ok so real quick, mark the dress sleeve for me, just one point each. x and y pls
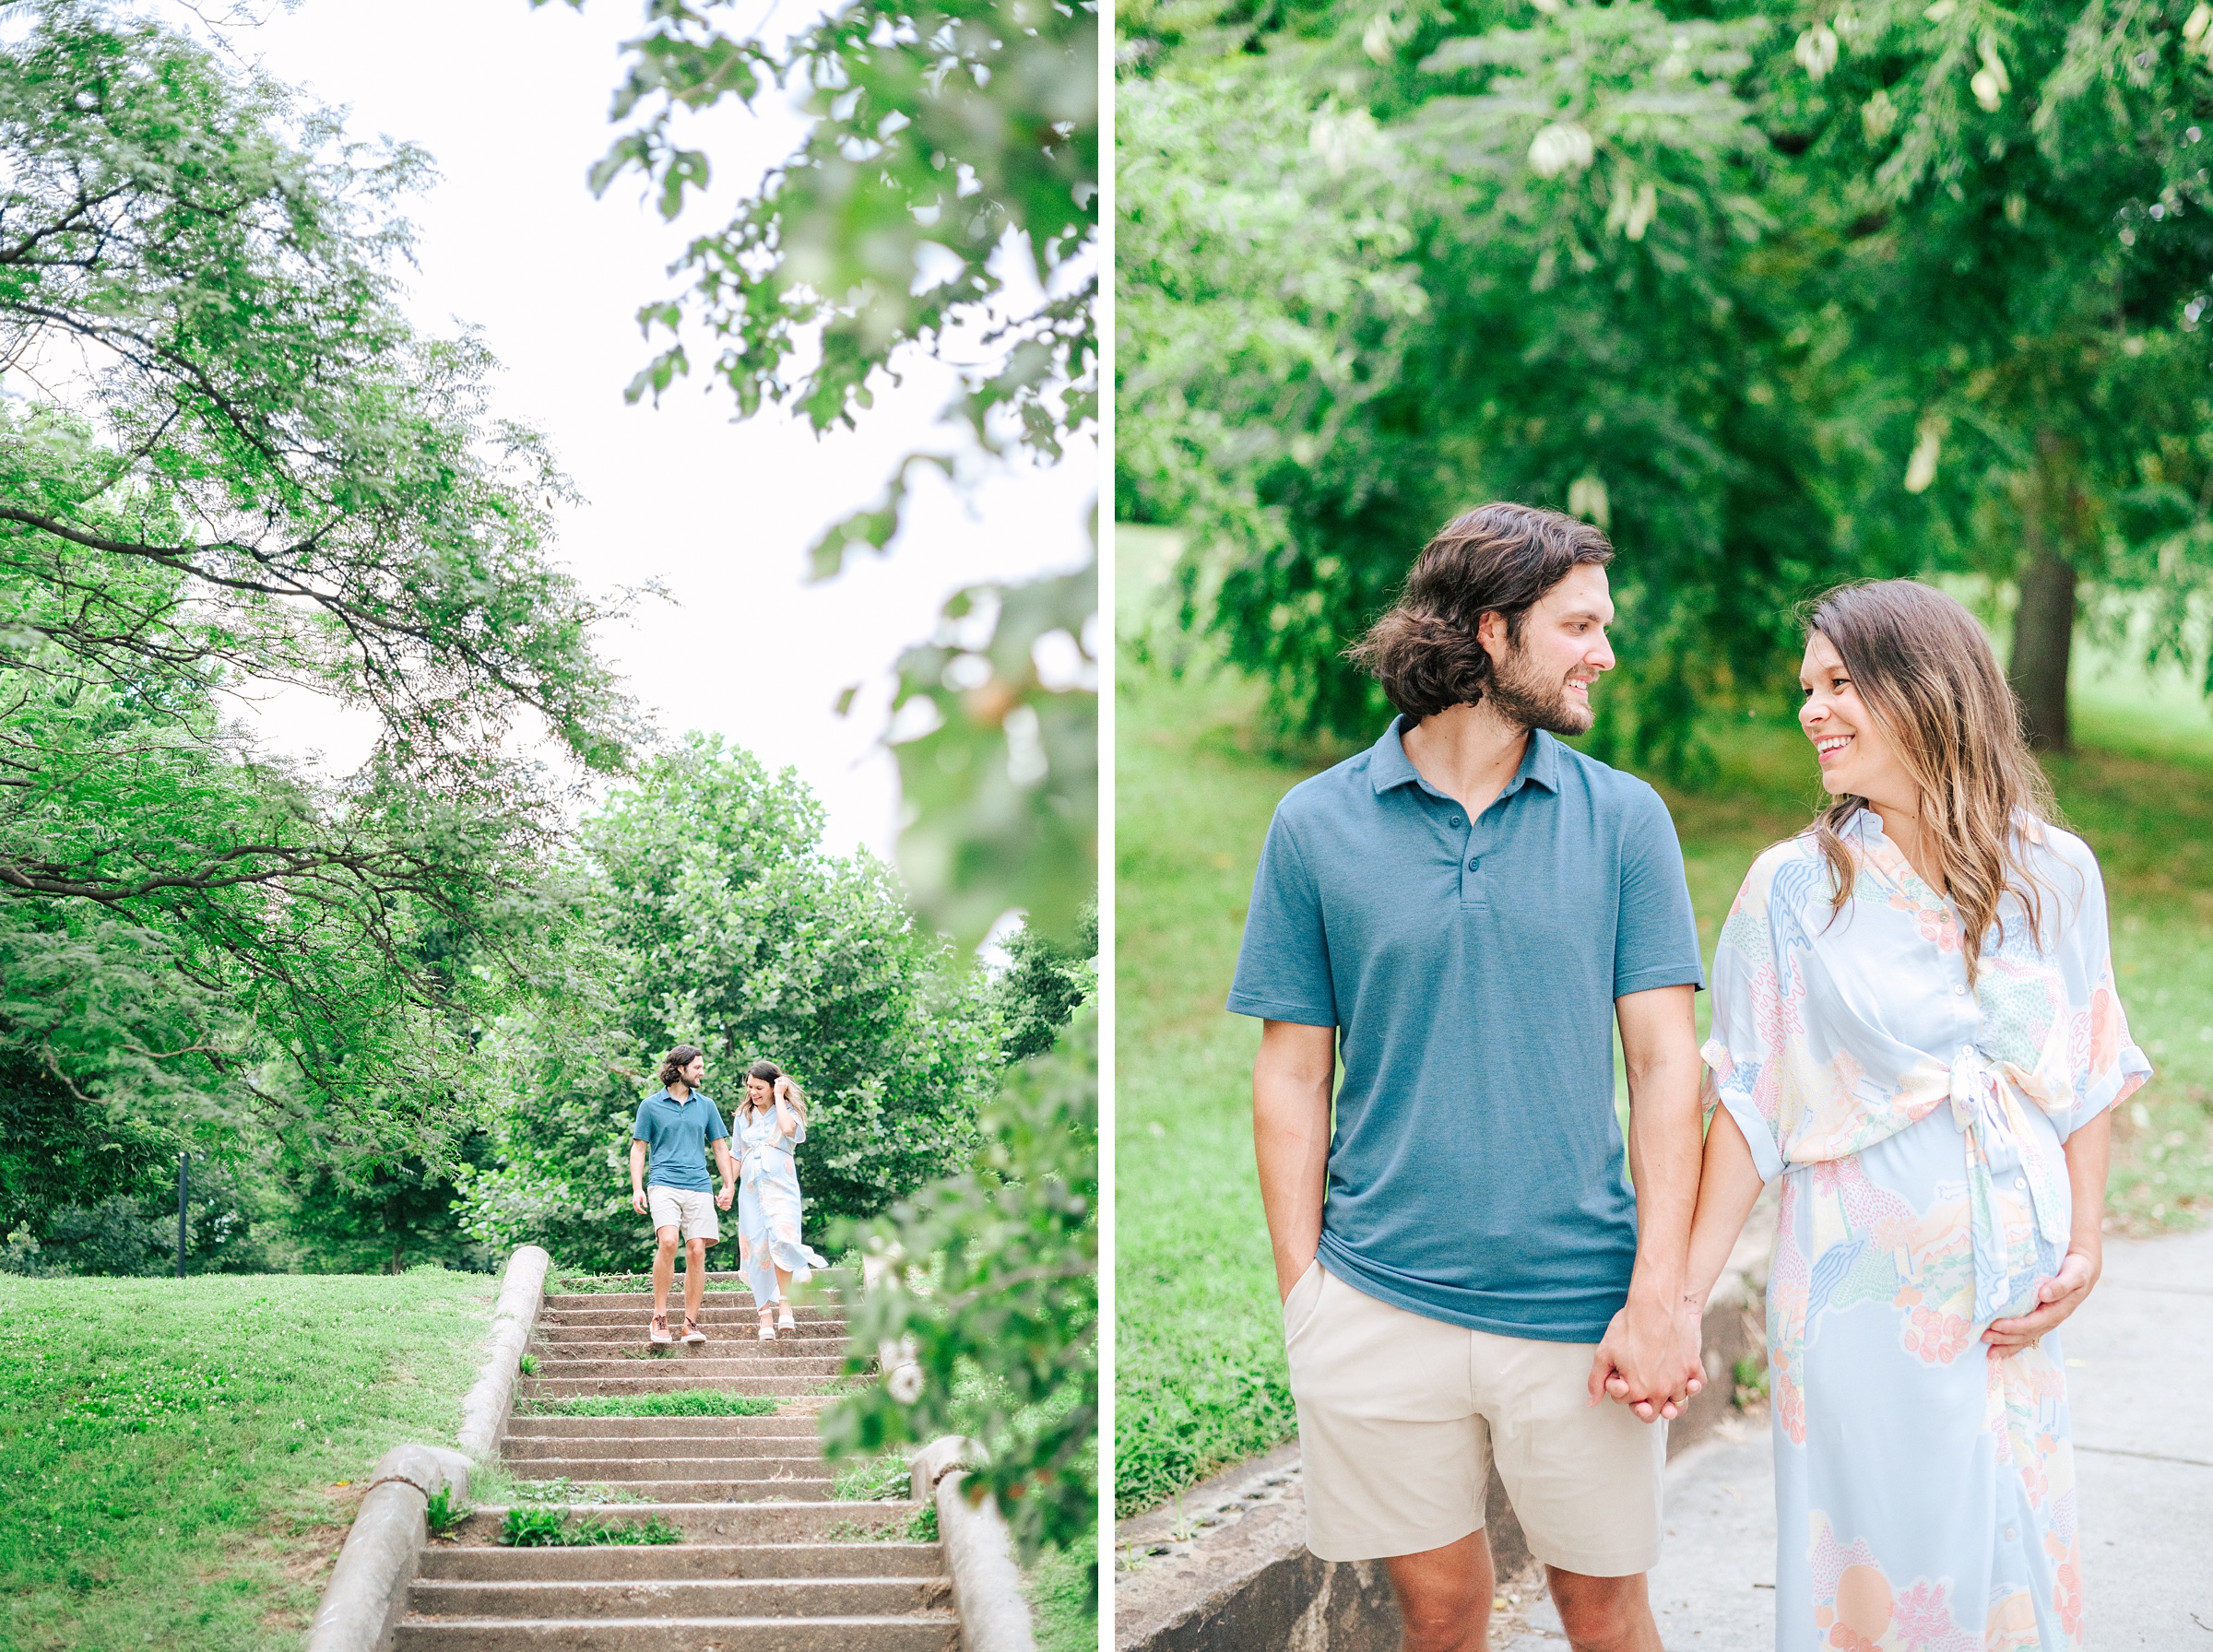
(1744, 1046)
(2105, 1068)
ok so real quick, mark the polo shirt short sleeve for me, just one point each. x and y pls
(676, 1134)
(1470, 967)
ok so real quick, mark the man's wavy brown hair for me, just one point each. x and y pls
(675, 1060)
(1927, 673)
(1497, 559)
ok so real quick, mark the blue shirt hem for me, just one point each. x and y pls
(1385, 1287)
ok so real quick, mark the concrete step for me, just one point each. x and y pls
(614, 1563)
(627, 1333)
(822, 1306)
(795, 1427)
(716, 1307)
(681, 1598)
(669, 1381)
(818, 1520)
(934, 1632)
(730, 1489)
(682, 1465)
(702, 1367)
(717, 1347)
(667, 1448)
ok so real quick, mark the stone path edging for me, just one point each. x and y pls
(987, 1600)
(368, 1589)
(485, 1411)
(367, 1594)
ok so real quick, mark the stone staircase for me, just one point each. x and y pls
(769, 1563)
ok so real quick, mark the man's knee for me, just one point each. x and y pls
(695, 1251)
(666, 1239)
(1600, 1612)
(1445, 1597)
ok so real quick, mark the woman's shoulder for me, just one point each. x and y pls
(1780, 865)
(2044, 840)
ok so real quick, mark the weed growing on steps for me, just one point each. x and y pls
(873, 1480)
(528, 1364)
(922, 1527)
(500, 1487)
(552, 1528)
(444, 1511)
(678, 1403)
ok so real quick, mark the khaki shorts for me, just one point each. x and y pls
(1399, 1418)
(684, 1207)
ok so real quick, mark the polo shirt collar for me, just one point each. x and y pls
(1389, 765)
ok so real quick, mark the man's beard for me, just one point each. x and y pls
(1520, 695)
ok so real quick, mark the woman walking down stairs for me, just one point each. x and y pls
(768, 1562)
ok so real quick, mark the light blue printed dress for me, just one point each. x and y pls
(1924, 1487)
(768, 1204)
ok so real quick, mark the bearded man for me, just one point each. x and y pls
(1465, 911)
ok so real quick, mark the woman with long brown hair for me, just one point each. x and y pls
(772, 1122)
(1915, 1027)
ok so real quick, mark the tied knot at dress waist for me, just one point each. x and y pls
(1990, 1101)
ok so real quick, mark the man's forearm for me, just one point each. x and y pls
(1291, 1083)
(1665, 1142)
(637, 1166)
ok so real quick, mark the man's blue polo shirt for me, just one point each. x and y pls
(1471, 969)
(676, 1134)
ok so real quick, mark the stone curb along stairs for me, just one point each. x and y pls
(768, 1560)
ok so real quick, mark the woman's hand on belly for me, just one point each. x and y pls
(2057, 1297)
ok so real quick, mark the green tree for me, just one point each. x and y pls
(980, 1304)
(713, 916)
(2005, 207)
(1509, 255)
(943, 200)
(228, 462)
(1043, 984)
(1778, 298)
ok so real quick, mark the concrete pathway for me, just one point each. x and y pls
(2140, 1358)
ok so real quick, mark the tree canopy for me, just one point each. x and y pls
(707, 912)
(942, 201)
(1777, 298)
(230, 465)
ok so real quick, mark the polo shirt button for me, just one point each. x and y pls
(1473, 864)
(1453, 822)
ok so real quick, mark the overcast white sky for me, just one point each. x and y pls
(513, 104)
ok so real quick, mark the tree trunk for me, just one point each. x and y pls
(2043, 637)
(2043, 625)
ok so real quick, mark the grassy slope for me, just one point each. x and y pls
(1199, 1380)
(179, 1460)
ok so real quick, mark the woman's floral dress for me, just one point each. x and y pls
(768, 1204)
(1924, 1487)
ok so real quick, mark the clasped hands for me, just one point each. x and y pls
(1651, 1359)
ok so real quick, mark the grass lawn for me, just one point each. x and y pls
(180, 1459)
(1200, 1383)
(1064, 1601)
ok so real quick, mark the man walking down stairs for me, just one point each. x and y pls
(768, 1560)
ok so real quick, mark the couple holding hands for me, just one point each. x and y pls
(675, 1126)
(1914, 1030)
